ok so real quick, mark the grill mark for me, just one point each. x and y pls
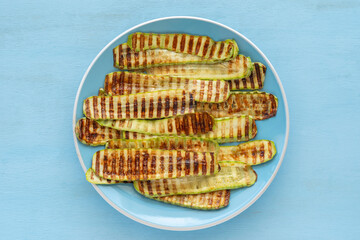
(270, 149)
(162, 166)
(196, 163)
(137, 165)
(128, 58)
(144, 59)
(204, 164)
(186, 123)
(171, 165)
(262, 153)
(97, 163)
(158, 188)
(198, 45)
(202, 88)
(87, 107)
(167, 105)
(191, 43)
(143, 107)
(175, 39)
(119, 111)
(159, 107)
(178, 164)
(121, 164)
(195, 121)
(153, 165)
(127, 106)
(187, 163)
(151, 108)
(212, 163)
(149, 187)
(129, 166)
(136, 59)
(134, 40)
(209, 93)
(212, 51)
(183, 104)
(141, 186)
(217, 95)
(166, 186)
(182, 43)
(258, 74)
(239, 136)
(81, 128)
(96, 112)
(167, 41)
(142, 42)
(254, 128)
(221, 49)
(103, 107)
(206, 46)
(135, 107)
(246, 127)
(158, 40)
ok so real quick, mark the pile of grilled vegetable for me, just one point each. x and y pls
(162, 120)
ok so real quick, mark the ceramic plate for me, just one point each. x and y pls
(160, 215)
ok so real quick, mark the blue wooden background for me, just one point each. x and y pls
(46, 47)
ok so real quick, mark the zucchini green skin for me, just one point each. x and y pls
(123, 83)
(148, 164)
(93, 178)
(236, 129)
(254, 81)
(102, 93)
(239, 67)
(203, 201)
(127, 59)
(250, 153)
(231, 176)
(185, 125)
(91, 133)
(202, 46)
(148, 105)
(259, 105)
(167, 143)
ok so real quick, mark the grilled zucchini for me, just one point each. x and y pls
(127, 59)
(239, 67)
(234, 175)
(146, 164)
(201, 46)
(259, 105)
(149, 105)
(185, 125)
(253, 82)
(167, 143)
(91, 133)
(250, 153)
(122, 83)
(203, 201)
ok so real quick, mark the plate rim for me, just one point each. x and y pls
(231, 215)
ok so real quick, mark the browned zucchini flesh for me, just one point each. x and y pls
(259, 105)
(147, 164)
(148, 105)
(252, 82)
(122, 83)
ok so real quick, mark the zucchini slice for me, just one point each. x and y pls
(167, 143)
(127, 59)
(239, 67)
(91, 133)
(203, 201)
(93, 178)
(149, 105)
(250, 153)
(234, 129)
(235, 175)
(254, 81)
(123, 83)
(185, 125)
(146, 164)
(259, 105)
(202, 46)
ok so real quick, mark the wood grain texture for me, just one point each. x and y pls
(45, 48)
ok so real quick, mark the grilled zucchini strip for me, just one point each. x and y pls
(202, 46)
(229, 177)
(167, 143)
(91, 133)
(93, 178)
(234, 129)
(203, 201)
(127, 59)
(239, 67)
(149, 105)
(259, 105)
(250, 153)
(185, 125)
(147, 164)
(253, 82)
(123, 83)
